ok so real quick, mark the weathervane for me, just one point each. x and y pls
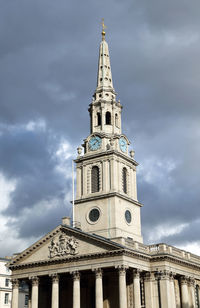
(103, 29)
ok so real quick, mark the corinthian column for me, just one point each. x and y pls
(99, 288)
(15, 293)
(192, 292)
(172, 290)
(34, 297)
(136, 288)
(165, 290)
(148, 286)
(122, 287)
(55, 291)
(184, 292)
(76, 290)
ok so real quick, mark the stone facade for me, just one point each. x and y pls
(99, 260)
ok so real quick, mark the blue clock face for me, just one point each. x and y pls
(123, 144)
(95, 143)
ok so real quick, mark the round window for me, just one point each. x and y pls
(94, 215)
(128, 216)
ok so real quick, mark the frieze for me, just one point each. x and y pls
(63, 246)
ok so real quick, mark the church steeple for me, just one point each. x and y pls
(105, 111)
(104, 88)
(106, 192)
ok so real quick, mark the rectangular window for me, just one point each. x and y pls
(6, 298)
(26, 300)
(7, 282)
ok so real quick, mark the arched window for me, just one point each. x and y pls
(116, 120)
(95, 179)
(98, 118)
(124, 180)
(108, 118)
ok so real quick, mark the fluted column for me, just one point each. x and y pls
(55, 291)
(172, 290)
(184, 292)
(76, 290)
(15, 293)
(136, 288)
(99, 288)
(148, 286)
(122, 287)
(165, 290)
(34, 296)
(191, 293)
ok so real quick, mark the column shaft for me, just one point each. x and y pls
(148, 287)
(122, 288)
(172, 291)
(192, 293)
(55, 292)
(76, 290)
(34, 295)
(136, 289)
(165, 290)
(99, 289)
(15, 293)
(184, 293)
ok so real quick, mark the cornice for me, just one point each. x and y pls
(176, 260)
(106, 153)
(108, 195)
(67, 259)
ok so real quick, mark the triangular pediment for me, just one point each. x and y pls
(64, 242)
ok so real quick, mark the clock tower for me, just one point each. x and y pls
(106, 193)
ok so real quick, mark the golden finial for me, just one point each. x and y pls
(103, 29)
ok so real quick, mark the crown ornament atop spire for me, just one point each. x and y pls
(103, 30)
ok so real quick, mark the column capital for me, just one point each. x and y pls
(122, 269)
(35, 281)
(136, 272)
(76, 275)
(15, 282)
(149, 276)
(163, 274)
(184, 279)
(54, 277)
(191, 281)
(98, 272)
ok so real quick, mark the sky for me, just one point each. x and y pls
(48, 67)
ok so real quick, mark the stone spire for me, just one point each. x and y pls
(104, 88)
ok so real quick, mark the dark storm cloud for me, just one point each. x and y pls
(48, 60)
(30, 158)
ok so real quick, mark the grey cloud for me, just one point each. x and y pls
(154, 48)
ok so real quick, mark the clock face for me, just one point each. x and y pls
(123, 144)
(95, 143)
